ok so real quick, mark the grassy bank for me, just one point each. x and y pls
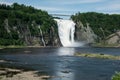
(98, 55)
(18, 46)
(12, 46)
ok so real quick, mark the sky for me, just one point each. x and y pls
(70, 7)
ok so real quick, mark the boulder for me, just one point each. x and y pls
(113, 38)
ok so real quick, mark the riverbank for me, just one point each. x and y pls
(17, 74)
(105, 45)
(18, 46)
(12, 46)
(98, 55)
(37, 46)
(8, 73)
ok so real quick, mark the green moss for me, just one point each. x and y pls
(12, 46)
(0, 78)
(98, 55)
(116, 76)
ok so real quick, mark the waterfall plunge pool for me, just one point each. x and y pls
(61, 63)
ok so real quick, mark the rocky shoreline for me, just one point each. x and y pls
(7, 73)
(17, 74)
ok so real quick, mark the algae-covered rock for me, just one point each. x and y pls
(98, 55)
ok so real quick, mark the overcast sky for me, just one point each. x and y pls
(71, 6)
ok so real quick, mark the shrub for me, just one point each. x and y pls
(116, 76)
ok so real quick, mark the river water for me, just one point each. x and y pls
(61, 64)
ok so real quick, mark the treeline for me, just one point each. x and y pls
(102, 24)
(18, 23)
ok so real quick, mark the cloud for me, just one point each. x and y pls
(81, 1)
(71, 6)
(110, 7)
(4, 2)
(114, 6)
(57, 8)
(72, 2)
(65, 5)
(112, 12)
(47, 8)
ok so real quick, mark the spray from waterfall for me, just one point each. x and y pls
(66, 29)
(43, 41)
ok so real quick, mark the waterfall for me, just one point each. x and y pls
(43, 41)
(66, 29)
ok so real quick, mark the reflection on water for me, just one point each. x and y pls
(65, 51)
(61, 71)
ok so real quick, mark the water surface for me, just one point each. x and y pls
(61, 64)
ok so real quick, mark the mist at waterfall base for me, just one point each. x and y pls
(66, 30)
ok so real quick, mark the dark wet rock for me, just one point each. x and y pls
(65, 71)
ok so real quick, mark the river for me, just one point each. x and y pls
(62, 64)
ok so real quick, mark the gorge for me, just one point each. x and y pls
(57, 48)
(20, 26)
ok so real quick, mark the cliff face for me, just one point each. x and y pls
(103, 25)
(50, 38)
(113, 38)
(84, 33)
(39, 38)
(25, 25)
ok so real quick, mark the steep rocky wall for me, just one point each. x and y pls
(30, 34)
(113, 38)
(84, 33)
(51, 37)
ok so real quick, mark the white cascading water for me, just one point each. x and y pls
(66, 29)
(42, 36)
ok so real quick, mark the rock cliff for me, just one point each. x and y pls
(113, 39)
(84, 33)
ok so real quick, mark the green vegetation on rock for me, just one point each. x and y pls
(116, 76)
(102, 24)
(102, 56)
(19, 25)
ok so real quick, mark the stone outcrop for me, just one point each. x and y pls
(113, 38)
(51, 38)
(84, 33)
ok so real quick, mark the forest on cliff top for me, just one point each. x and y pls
(19, 24)
(102, 24)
